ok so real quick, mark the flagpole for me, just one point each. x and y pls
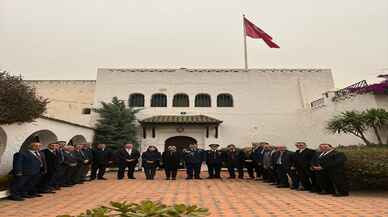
(245, 46)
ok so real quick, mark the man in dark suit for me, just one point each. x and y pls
(127, 157)
(233, 160)
(82, 163)
(257, 156)
(86, 148)
(59, 174)
(52, 162)
(331, 165)
(268, 174)
(27, 169)
(302, 160)
(170, 161)
(194, 158)
(281, 165)
(102, 158)
(214, 161)
(71, 164)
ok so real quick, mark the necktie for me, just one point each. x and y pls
(39, 158)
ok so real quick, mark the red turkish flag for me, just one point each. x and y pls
(253, 31)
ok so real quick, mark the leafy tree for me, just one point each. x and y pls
(116, 125)
(349, 122)
(377, 119)
(18, 101)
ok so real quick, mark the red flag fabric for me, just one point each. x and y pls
(253, 31)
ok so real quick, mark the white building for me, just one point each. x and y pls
(221, 106)
(180, 106)
(45, 130)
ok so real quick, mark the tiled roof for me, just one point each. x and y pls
(180, 119)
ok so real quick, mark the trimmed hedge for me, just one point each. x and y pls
(367, 167)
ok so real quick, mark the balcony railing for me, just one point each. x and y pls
(354, 88)
(317, 103)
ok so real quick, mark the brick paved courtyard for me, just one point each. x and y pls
(244, 198)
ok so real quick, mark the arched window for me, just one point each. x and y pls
(159, 100)
(181, 100)
(202, 100)
(224, 100)
(136, 100)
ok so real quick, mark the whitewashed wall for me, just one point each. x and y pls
(17, 133)
(268, 103)
(315, 120)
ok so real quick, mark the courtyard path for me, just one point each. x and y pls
(224, 198)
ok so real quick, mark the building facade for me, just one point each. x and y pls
(224, 106)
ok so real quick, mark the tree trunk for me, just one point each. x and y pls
(362, 136)
(378, 135)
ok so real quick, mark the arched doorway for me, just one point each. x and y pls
(3, 142)
(77, 139)
(180, 142)
(43, 136)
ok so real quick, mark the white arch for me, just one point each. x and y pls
(45, 137)
(77, 139)
(3, 142)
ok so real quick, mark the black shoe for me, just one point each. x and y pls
(36, 195)
(197, 178)
(341, 195)
(282, 186)
(131, 178)
(173, 178)
(188, 178)
(167, 178)
(16, 198)
(231, 177)
(101, 178)
(27, 196)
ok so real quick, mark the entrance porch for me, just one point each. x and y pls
(179, 130)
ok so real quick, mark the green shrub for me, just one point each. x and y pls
(145, 208)
(367, 166)
(4, 182)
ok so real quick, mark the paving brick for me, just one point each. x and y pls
(224, 198)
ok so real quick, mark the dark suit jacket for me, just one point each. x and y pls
(52, 161)
(26, 163)
(195, 156)
(257, 155)
(233, 159)
(102, 157)
(214, 157)
(70, 159)
(333, 162)
(285, 159)
(154, 156)
(303, 159)
(123, 156)
(171, 160)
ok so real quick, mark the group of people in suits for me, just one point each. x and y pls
(319, 171)
(37, 171)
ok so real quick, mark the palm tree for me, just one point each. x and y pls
(377, 119)
(349, 122)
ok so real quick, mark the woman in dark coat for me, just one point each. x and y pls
(171, 160)
(150, 160)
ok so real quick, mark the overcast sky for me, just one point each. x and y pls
(56, 39)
